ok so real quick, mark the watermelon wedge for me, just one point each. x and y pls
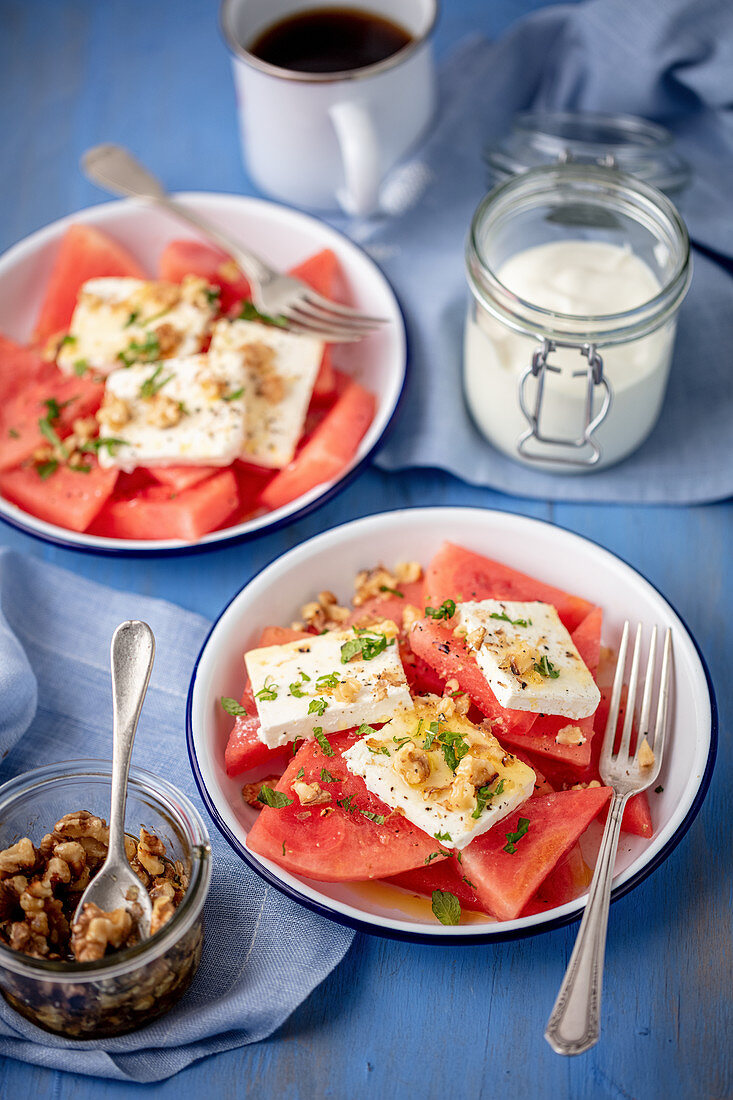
(505, 881)
(85, 253)
(352, 837)
(459, 574)
(448, 656)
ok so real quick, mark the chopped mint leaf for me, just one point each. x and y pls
(434, 855)
(234, 395)
(317, 706)
(505, 618)
(231, 706)
(378, 818)
(446, 907)
(328, 683)
(321, 739)
(154, 384)
(514, 838)
(326, 776)
(277, 799)
(45, 469)
(300, 774)
(484, 796)
(14, 433)
(267, 693)
(250, 312)
(443, 836)
(546, 668)
(366, 645)
(446, 610)
(296, 690)
(80, 368)
(392, 591)
(68, 340)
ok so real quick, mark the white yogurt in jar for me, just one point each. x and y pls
(585, 279)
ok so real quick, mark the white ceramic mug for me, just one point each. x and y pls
(324, 140)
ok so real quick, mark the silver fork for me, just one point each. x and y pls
(575, 1021)
(115, 169)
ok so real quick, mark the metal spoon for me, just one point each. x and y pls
(116, 885)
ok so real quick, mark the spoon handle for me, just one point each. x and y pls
(131, 657)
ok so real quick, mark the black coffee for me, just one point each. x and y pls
(329, 40)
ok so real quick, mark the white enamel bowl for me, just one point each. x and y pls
(282, 236)
(330, 561)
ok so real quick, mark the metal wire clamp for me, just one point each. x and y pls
(538, 369)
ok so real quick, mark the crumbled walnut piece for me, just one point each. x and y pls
(475, 638)
(213, 385)
(149, 849)
(462, 795)
(325, 613)
(197, 291)
(163, 411)
(228, 271)
(84, 429)
(407, 572)
(250, 791)
(96, 930)
(114, 413)
(477, 771)
(310, 794)
(73, 855)
(371, 583)
(570, 735)
(410, 616)
(18, 857)
(412, 764)
(584, 786)
(645, 754)
(22, 939)
(163, 910)
(52, 347)
(347, 690)
(520, 659)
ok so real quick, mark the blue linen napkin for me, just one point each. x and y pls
(263, 952)
(671, 62)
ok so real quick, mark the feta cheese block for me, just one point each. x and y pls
(118, 321)
(447, 776)
(179, 412)
(316, 683)
(281, 368)
(528, 658)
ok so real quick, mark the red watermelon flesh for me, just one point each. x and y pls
(360, 839)
(540, 739)
(444, 874)
(387, 605)
(20, 434)
(461, 575)
(162, 513)
(189, 257)
(20, 367)
(67, 498)
(449, 657)
(506, 881)
(85, 253)
(328, 451)
(244, 749)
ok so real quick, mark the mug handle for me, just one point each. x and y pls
(359, 146)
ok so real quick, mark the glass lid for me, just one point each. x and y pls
(625, 142)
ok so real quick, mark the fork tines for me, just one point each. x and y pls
(654, 738)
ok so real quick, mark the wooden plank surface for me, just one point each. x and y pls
(394, 1020)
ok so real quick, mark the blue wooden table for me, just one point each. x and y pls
(394, 1020)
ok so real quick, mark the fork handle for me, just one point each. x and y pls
(256, 270)
(575, 1021)
(115, 169)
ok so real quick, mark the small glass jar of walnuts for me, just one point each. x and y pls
(94, 977)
